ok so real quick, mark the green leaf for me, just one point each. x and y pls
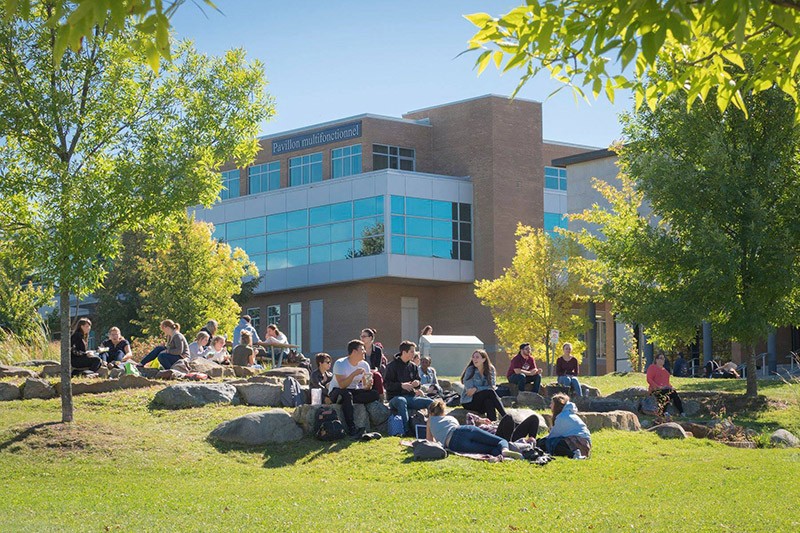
(479, 19)
(483, 61)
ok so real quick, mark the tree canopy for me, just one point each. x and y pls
(723, 241)
(608, 45)
(96, 143)
(536, 294)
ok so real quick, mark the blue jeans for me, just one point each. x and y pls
(152, 355)
(521, 380)
(166, 360)
(112, 356)
(472, 439)
(571, 381)
(402, 404)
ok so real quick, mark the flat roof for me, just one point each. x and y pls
(571, 145)
(582, 158)
(490, 95)
(421, 122)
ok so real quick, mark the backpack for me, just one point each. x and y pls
(327, 426)
(292, 395)
(395, 426)
(425, 450)
(416, 418)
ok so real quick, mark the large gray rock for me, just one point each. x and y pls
(591, 392)
(457, 387)
(37, 388)
(460, 414)
(89, 387)
(261, 394)
(669, 430)
(552, 389)
(137, 382)
(244, 371)
(531, 399)
(783, 438)
(508, 401)
(305, 415)
(606, 405)
(521, 414)
(51, 370)
(228, 372)
(275, 380)
(255, 429)
(210, 368)
(298, 373)
(9, 391)
(621, 420)
(631, 393)
(693, 408)
(16, 372)
(195, 394)
(38, 362)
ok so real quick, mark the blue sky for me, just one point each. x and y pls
(329, 60)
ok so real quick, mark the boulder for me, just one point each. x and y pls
(244, 371)
(694, 408)
(699, 431)
(37, 388)
(261, 394)
(136, 382)
(305, 416)
(552, 388)
(457, 387)
(103, 372)
(378, 414)
(9, 391)
(255, 429)
(784, 439)
(521, 414)
(531, 399)
(445, 384)
(228, 372)
(51, 371)
(669, 430)
(16, 372)
(116, 373)
(508, 401)
(210, 368)
(590, 392)
(274, 380)
(38, 362)
(298, 373)
(513, 389)
(89, 387)
(606, 405)
(460, 414)
(195, 394)
(621, 420)
(631, 393)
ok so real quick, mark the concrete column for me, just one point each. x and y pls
(591, 338)
(772, 352)
(706, 342)
(648, 352)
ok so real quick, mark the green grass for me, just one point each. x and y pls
(124, 466)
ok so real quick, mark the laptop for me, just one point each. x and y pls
(421, 431)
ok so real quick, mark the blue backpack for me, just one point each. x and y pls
(395, 426)
(292, 395)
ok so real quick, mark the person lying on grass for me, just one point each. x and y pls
(463, 439)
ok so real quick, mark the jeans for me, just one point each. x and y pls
(571, 381)
(112, 356)
(486, 403)
(166, 360)
(152, 355)
(347, 397)
(402, 404)
(472, 439)
(521, 380)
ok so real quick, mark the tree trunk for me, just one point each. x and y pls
(752, 383)
(66, 363)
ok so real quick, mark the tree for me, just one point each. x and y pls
(536, 294)
(20, 299)
(723, 243)
(191, 279)
(607, 45)
(75, 21)
(96, 144)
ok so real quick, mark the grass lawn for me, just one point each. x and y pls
(124, 466)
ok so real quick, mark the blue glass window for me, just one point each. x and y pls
(398, 205)
(341, 211)
(419, 227)
(398, 245)
(230, 184)
(264, 177)
(319, 215)
(343, 231)
(441, 209)
(367, 207)
(369, 246)
(297, 238)
(320, 234)
(260, 261)
(320, 254)
(346, 161)
(276, 261)
(255, 245)
(442, 229)
(555, 178)
(368, 226)
(341, 250)
(431, 228)
(421, 247)
(399, 225)
(219, 232)
(235, 230)
(305, 169)
(297, 257)
(276, 241)
(276, 222)
(553, 221)
(418, 207)
(442, 249)
(255, 226)
(297, 219)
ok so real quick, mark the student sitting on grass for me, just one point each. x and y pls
(658, 381)
(176, 348)
(199, 349)
(119, 349)
(463, 439)
(218, 353)
(80, 355)
(479, 384)
(569, 436)
(243, 354)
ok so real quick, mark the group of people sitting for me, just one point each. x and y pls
(523, 370)
(363, 376)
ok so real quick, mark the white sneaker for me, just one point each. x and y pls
(511, 454)
(578, 455)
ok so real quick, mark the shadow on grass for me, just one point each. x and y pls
(728, 385)
(23, 435)
(280, 455)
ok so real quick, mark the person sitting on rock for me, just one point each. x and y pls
(427, 377)
(479, 393)
(352, 383)
(218, 353)
(199, 349)
(659, 386)
(523, 370)
(463, 439)
(402, 384)
(243, 353)
(80, 355)
(176, 348)
(322, 376)
(118, 349)
(375, 358)
(569, 436)
(567, 370)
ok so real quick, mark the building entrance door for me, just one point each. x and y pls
(409, 318)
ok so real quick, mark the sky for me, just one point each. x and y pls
(330, 60)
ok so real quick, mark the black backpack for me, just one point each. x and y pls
(327, 426)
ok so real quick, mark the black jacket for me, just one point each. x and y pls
(397, 373)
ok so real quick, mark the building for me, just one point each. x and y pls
(383, 222)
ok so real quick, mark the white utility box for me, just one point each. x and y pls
(449, 353)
